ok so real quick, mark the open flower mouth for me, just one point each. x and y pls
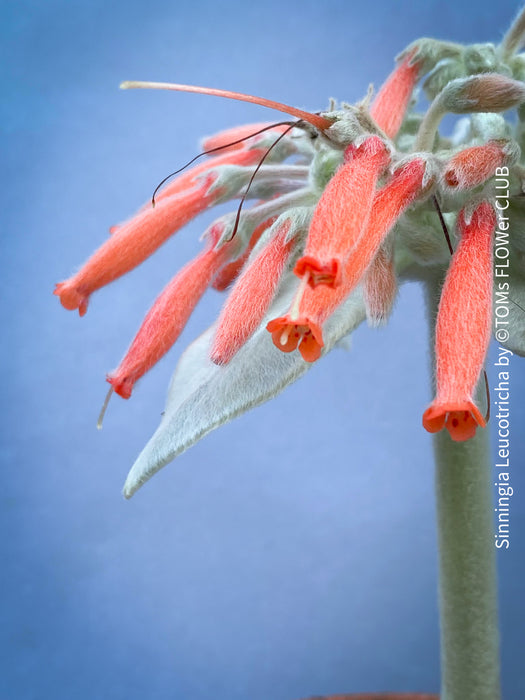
(332, 232)
(290, 334)
(333, 210)
(460, 419)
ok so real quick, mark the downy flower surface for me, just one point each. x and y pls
(365, 203)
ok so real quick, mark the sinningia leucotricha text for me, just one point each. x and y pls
(329, 238)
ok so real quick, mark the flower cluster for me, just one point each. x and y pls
(348, 203)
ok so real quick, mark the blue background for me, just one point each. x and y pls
(290, 553)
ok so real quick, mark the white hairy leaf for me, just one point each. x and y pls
(203, 396)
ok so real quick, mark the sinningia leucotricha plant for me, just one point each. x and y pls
(329, 238)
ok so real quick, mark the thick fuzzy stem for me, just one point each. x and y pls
(514, 38)
(467, 562)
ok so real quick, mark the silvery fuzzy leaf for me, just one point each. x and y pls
(203, 396)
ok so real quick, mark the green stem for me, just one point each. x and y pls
(470, 667)
(429, 126)
(513, 39)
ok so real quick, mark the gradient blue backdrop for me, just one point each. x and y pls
(293, 551)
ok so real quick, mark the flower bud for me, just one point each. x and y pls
(488, 92)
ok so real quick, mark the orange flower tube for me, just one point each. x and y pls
(473, 166)
(342, 213)
(463, 328)
(251, 296)
(302, 326)
(167, 317)
(132, 243)
(189, 179)
(390, 104)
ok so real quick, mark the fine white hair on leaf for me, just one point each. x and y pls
(203, 396)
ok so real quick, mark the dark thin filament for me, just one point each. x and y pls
(487, 392)
(443, 224)
(243, 199)
(218, 148)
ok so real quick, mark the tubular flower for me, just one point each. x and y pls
(389, 107)
(252, 295)
(475, 165)
(167, 317)
(133, 242)
(302, 326)
(342, 213)
(463, 327)
(327, 240)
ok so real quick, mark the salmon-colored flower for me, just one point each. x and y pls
(252, 295)
(302, 326)
(324, 246)
(167, 317)
(463, 327)
(342, 213)
(475, 165)
(133, 242)
(302, 332)
(363, 206)
(390, 104)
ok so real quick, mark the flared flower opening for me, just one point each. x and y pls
(342, 213)
(123, 384)
(301, 333)
(328, 273)
(73, 295)
(362, 176)
(460, 418)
